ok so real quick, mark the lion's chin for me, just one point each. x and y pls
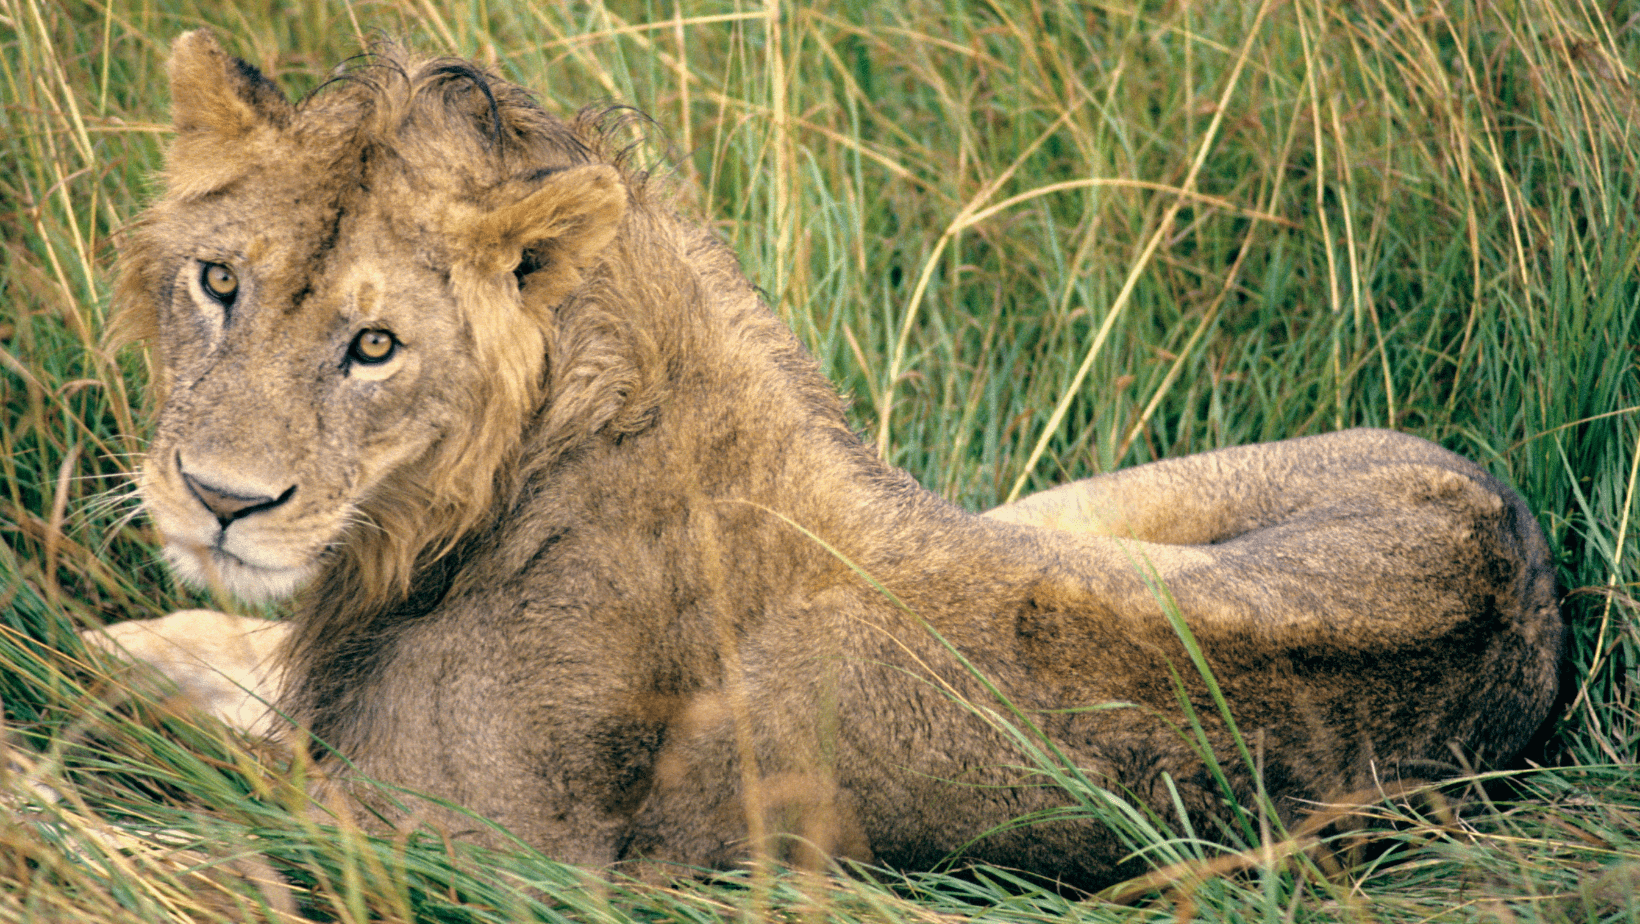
(216, 568)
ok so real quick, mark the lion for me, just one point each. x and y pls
(582, 543)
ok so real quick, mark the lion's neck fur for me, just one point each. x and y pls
(682, 422)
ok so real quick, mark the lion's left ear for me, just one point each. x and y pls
(551, 233)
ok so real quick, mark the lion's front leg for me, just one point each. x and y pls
(529, 729)
(739, 780)
(228, 665)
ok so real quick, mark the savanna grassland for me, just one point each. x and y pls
(1032, 241)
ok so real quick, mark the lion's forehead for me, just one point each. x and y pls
(333, 183)
(296, 235)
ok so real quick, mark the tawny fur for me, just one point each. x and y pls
(585, 553)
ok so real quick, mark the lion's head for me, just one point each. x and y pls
(351, 302)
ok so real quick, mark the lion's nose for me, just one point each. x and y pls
(228, 506)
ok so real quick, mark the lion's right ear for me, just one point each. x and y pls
(223, 110)
(216, 93)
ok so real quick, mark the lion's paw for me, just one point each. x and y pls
(229, 665)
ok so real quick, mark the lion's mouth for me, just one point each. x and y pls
(214, 567)
(221, 556)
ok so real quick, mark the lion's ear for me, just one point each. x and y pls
(212, 91)
(548, 235)
(223, 110)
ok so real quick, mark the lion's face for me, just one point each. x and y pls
(343, 327)
(298, 381)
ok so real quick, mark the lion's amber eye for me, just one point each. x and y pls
(220, 281)
(373, 346)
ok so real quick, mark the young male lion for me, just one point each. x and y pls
(583, 542)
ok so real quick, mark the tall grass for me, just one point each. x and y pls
(1033, 240)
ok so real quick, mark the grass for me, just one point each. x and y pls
(1033, 240)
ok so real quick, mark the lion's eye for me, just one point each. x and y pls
(373, 346)
(220, 281)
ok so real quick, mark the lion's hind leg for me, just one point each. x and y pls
(1212, 497)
